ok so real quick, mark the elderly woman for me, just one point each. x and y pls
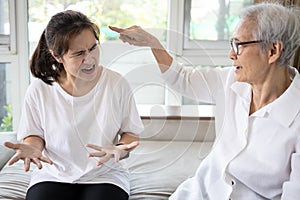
(256, 154)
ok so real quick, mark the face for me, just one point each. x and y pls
(251, 64)
(82, 59)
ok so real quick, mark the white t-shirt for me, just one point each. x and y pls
(68, 123)
(254, 157)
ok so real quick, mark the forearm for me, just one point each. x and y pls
(163, 58)
(135, 35)
(35, 141)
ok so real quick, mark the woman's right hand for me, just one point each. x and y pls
(28, 153)
(137, 36)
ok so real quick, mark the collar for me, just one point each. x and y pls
(243, 90)
(284, 109)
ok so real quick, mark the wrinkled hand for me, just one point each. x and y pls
(107, 152)
(135, 35)
(27, 153)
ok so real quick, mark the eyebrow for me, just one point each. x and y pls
(235, 39)
(82, 51)
(93, 46)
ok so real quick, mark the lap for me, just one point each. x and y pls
(62, 191)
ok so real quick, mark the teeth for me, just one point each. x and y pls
(89, 69)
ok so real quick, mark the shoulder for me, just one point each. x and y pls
(111, 74)
(114, 77)
(38, 88)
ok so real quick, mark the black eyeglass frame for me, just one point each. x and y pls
(235, 45)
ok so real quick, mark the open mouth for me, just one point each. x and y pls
(89, 69)
(238, 67)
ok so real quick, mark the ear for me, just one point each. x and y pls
(58, 59)
(275, 52)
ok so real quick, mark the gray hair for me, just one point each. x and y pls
(275, 23)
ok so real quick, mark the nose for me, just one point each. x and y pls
(232, 55)
(88, 58)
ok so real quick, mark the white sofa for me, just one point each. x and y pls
(171, 148)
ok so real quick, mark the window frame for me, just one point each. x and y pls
(8, 42)
(17, 56)
(193, 52)
(215, 53)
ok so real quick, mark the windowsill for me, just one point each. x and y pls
(194, 112)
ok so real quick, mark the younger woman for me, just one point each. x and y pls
(73, 108)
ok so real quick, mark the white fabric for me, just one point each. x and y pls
(262, 151)
(14, 181)
(68, 123)
(158, 167)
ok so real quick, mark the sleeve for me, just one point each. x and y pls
(291, 188)
(198, 84)
(30, 121)
(131, 120)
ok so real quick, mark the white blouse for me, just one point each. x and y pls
(256, 156)
(68, 123)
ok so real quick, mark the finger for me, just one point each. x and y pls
(27, 164)
(132, 144)
(133, 41)
(134, 27)
(14, 160)
(128, 39)
(11, 145)
(96, 147)
(104, 159)
(129, 146)
(47, 160)
(97, 154)
(117, 157)
(37, 162)
(116, 29)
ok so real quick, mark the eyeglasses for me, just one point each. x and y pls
(235, 45)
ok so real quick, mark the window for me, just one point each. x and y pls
(5, 100)
(135, 63)
(213, 21)
(8, 64)
(14, 76)
(7, 27)
(196, 32)
(203, 30)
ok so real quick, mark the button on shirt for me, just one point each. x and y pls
(261, 151)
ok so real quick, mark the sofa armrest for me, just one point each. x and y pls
(5, 153)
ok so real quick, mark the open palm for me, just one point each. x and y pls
(28, 153)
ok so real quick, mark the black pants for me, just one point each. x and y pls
(67, 191)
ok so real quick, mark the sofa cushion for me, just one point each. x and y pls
(158, 167)
(5, 153)
(14, 181)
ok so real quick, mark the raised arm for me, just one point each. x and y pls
(135, 35)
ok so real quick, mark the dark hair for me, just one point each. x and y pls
(61, 28)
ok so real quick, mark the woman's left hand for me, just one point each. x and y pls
(107, 152)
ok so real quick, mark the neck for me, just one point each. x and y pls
(273, 87)
(76, 87)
